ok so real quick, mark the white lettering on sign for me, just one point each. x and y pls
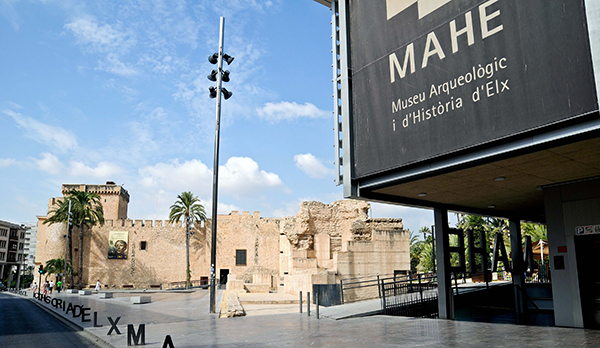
(425, 7)
(434, 48)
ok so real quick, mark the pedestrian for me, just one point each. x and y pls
(98, 285)
(45, 288)
(58, 286)
(34, 287)
(50, 286)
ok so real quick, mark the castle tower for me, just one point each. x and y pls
(114, 198)
(50, 238)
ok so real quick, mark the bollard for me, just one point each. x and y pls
(300, 301)
(317, 300)
(308, 303)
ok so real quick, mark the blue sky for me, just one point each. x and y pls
(117, 90)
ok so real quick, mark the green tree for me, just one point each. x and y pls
(415, 251)
(426, 256)
(187, 207)
(56, 266)
(536, 231)
(86, 211)
(60, 214)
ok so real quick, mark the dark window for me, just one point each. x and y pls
(143, 245)
(240, 257)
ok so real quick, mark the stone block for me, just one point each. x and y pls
(85, 292)
(72, 291)
(235, 285)
(105, 295)
(140, 299)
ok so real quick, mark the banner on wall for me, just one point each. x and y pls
(118, 243)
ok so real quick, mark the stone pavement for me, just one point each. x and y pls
(184, 316)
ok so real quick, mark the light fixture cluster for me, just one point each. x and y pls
(214, 59)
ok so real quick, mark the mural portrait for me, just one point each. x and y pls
(118, 242)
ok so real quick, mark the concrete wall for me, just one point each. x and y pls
(568, 206)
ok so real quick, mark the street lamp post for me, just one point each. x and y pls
(219, 76)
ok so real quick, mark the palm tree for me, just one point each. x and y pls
(188, 207)
(55, 266)
(60, 214)
(536, 231)
(86, 211)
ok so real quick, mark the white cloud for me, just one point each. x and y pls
(286, 111)
(45, 134)
(8, 11)
(50, 164)
(175, 176)
(7, 162)
(104, 170)
(312, 166)
(104, 39)
(100, 38)
(240, 176)
(114, 65)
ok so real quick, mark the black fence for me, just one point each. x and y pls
(412, 296)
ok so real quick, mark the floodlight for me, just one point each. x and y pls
(226, 93)
(213, 92)
(228, 58)
(213, 75)
(225, 77)
(214, 59)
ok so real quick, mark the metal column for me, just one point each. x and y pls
(518, 276)
(445, 297)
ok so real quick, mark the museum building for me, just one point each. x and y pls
(487, 107)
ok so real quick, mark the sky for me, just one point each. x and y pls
(96, 91)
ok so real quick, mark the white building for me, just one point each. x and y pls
(12, 249)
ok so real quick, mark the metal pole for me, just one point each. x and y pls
(308, 303)
(213, 249)
(317, 300)
(301, 302)
(40, 284)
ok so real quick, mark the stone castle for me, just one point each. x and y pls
(320, 245)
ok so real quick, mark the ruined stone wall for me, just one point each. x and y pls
(386, 250)
(333, 219)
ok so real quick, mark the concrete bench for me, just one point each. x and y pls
(85, 292)
(105, 295)
(140, 299)
(72, 291)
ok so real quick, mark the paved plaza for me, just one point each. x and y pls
(184, 316)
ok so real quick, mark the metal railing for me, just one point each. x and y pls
(360, 288)
(414, 296)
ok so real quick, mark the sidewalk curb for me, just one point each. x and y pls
(97, 341)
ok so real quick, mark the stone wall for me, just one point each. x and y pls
(322, 243)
